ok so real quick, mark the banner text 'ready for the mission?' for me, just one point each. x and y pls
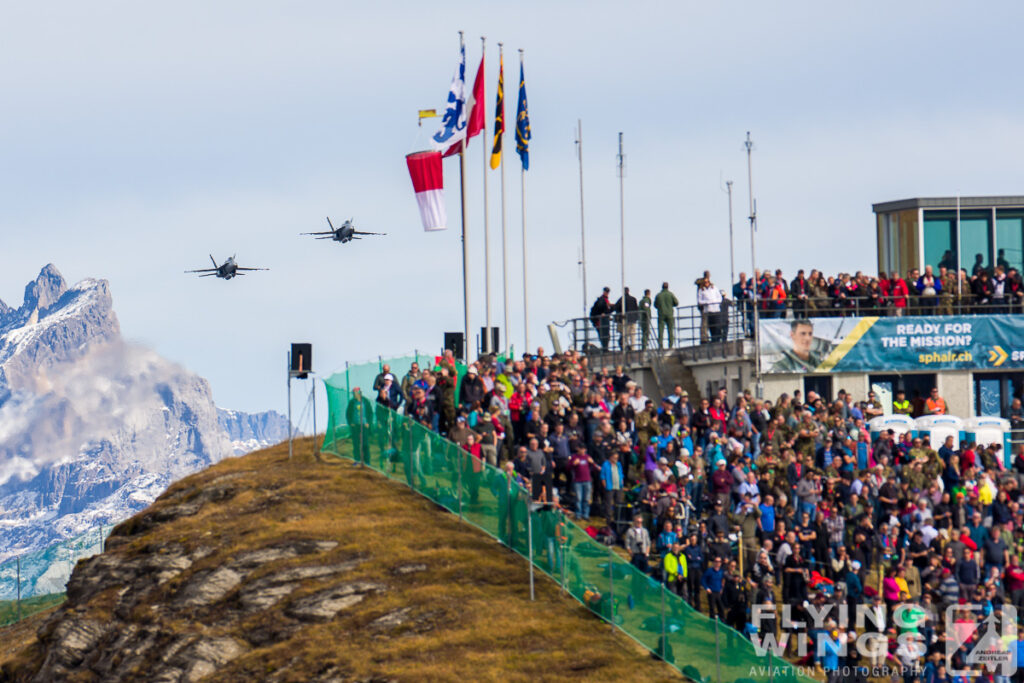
(929, 335)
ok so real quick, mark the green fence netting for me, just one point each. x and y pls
(661, 621)
(39, 577)
(363, 376)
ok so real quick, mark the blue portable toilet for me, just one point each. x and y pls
(938, 427)
(899, 424)
(987, 430)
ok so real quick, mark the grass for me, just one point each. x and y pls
(10, 611)
(470, 616)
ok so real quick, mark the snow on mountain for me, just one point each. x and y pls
(249, 432)
(93, 429)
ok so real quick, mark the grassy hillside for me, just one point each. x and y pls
(265, 569)
(10, 611)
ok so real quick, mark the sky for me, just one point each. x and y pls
(137, 138)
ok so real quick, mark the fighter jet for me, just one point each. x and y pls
(346, 232)
(226, 270)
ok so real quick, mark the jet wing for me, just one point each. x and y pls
(360, 232)
(241, 268)
(329, 232)
(203, 270)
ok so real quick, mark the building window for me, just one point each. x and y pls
(940, 239)
(1010, 239)
(976, 241)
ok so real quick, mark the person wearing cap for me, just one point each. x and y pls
(600, 318)
(471, 389)
(378, 381)
(674, 568)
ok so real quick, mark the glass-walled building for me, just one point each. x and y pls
(986, 232)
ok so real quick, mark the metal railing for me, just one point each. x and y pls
(688, 327)
(691, 327)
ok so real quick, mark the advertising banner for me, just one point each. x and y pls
(896, 344)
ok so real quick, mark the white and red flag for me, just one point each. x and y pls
(428, 183)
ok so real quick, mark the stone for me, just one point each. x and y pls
(326, 604)
(211, 587)
(391, 619)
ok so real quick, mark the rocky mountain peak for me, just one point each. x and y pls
(46, 289)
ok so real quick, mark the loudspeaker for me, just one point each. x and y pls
(494, 339)
(302, 360)
(454, 342)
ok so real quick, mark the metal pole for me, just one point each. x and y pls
(526, 314)
(504, 235)
(732, 259)
(959, 262)
(741, 551)
(290, 430)
(622, 250)
(487, 238)
(529, 544)
(562, 558)
(459, 476)
(664, 635)
(17, 562)
(583, 232)
(525, 294)
(465, 255)
(718, 656)
(313, 391)
(611, 588)
(749, 144)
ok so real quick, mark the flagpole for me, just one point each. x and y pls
(622, 247)
(583, 232)
(759, 389)
(504, 236)
(526, 296)
(465, 256)
(487, 240)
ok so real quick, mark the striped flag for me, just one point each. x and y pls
(523, 123)
(428, 183)
(499, 116)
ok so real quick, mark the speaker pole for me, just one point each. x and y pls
(289, 406)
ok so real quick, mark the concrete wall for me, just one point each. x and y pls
(957, 388)
(734, 375)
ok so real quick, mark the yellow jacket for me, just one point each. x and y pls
(675, 567)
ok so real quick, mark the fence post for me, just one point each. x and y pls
(664, 634)
(458, 464)
(529, 544)
(718, 655)
(17, 562)
(563, 546)
(611, 588)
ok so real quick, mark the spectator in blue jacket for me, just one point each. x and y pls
(611, 477)
(711, 582)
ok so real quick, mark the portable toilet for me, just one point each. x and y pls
(987, 430)
(899, 424)
(938, 427)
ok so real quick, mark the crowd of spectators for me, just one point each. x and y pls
(996, 290)
(733, 501)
